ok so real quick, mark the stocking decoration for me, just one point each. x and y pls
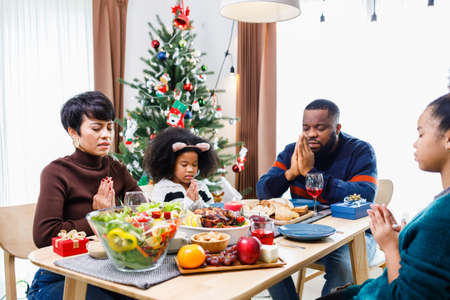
(176, 114)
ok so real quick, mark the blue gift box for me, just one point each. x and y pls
(349, 211)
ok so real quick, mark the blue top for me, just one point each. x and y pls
(425, 260)
(350, 169)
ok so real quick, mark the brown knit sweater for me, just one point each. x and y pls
(68, 186)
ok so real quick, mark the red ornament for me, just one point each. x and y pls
(155, 44)
(175, 9)
(235, 168)
(152, 136)
(188, 87)
(181, 20)
(163, 88)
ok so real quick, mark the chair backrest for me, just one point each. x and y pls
(16, 240)
(16, 229)
(385, 190)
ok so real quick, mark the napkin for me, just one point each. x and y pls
(104, 269)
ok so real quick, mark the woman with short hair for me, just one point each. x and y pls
(75, 185)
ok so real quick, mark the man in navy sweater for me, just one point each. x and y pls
(348, 166)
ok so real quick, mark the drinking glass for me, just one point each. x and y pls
(314, 187)
(263, 230)
(135, 198)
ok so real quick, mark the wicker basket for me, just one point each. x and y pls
(211, 241)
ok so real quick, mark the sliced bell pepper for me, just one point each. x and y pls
(120, 241)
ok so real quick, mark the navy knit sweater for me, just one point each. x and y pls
(351, 168)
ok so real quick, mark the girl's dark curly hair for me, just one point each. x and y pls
(159, 158)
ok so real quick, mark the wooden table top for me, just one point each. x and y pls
(225, 285)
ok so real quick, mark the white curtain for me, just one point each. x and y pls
(45, 58)
(381, 74)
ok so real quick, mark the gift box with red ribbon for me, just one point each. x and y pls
(70, 243)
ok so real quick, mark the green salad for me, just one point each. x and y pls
(137, 239)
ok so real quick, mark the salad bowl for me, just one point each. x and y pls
(136, 238)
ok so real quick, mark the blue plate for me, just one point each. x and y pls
(301, 202)
(306, 232)
(219, 204)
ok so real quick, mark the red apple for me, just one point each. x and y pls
(248, 249)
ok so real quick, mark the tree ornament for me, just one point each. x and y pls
(188, 87)
(188, 115)
(152, 136)
(200, 77)
(176, 114)
(129, 132)
(181, 20)
(177, 94)
(201, 101)
(182, 43)
(219, 112)
(162, 56)
(164, 79)
(232, 121)
(195, 106)
(204, 68)
(163, 88)
(239, 165)
(159, 94)
(155, 44)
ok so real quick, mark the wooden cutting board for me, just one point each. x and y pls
(236, 266)
(296, 220)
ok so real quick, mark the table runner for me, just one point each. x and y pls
(104, 269)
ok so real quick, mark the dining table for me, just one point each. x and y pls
(239, 284)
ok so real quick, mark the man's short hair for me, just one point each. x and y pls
(333, 109)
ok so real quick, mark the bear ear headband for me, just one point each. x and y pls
(201, 146)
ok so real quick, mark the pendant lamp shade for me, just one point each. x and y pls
(260, 11)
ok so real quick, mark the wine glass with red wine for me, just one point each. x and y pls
(314, 187)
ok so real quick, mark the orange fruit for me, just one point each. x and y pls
(191, 256)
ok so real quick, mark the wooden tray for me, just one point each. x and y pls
(236, 266)
(296, 220)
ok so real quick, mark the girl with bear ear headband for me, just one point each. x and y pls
(173, 159)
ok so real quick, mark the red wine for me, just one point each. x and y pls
(265, 236)
(315, 192)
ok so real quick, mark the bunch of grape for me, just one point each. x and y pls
(225, 258)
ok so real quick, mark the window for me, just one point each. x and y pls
(381, 74)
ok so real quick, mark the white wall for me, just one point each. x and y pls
(381, 75)
(213, 32)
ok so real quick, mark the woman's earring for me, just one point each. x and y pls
(198, 173)
(76, 142)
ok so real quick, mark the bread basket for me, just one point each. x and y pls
(212, 241)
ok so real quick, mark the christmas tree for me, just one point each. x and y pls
(172, 92)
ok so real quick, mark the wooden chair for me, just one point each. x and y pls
(384, 195)
(16, 240)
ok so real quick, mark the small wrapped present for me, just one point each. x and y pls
(70, 243)
(353, 207)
